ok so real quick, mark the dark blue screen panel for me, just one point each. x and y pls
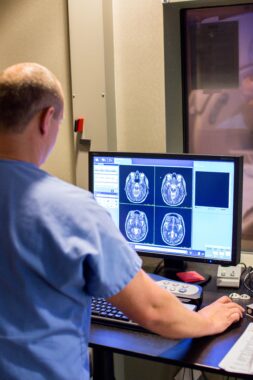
(212, 189)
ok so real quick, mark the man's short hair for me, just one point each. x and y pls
(25, 90)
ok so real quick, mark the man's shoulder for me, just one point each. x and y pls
(59, 190)
(48, 192)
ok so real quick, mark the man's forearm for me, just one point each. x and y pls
(143, 301)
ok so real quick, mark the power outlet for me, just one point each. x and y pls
(229, 277)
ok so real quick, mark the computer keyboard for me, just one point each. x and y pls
(103, 312)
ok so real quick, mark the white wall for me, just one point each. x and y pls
(139, 75)
(37, 31)
(89, 95)
(117, 50)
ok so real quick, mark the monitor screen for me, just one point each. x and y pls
(172, 206)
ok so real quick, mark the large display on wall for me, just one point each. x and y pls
(217, 57)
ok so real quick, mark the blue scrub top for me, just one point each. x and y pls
(58, 248)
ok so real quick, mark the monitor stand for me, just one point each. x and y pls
(169, 269)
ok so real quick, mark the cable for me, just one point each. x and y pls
(248, 279)
(245, 267)
(159, 267)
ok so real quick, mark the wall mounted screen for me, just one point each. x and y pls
(217, 62)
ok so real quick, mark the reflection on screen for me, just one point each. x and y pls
(218, 48)
(168, 206)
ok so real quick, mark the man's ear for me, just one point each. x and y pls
(45, 120)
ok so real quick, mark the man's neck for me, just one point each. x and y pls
(15, 147)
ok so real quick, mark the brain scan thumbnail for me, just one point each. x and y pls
(136, 187)
(136, 225)
(173, 189)
(173, 229)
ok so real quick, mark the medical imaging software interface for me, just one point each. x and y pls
(174, 207)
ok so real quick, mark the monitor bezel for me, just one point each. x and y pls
(237, 203)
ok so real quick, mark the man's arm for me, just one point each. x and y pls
(143, 301)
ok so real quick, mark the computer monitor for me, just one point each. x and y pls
(177, 207)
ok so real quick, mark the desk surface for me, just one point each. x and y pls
(201, 353)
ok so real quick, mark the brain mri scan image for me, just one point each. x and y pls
(136, 187)
(173, 189)
(136, 225)
(173, 229)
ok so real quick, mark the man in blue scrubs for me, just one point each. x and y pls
(58, 248)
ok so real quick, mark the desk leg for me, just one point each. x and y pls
(103, 367)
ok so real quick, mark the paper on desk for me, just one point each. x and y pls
(240, 357)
